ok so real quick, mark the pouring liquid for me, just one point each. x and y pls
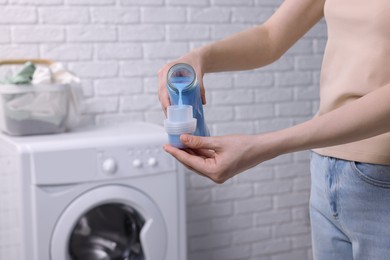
(180, 83)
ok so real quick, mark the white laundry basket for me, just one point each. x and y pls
(36, 109)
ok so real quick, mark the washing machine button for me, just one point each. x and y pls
(152, 162)
(109, 166)
(137, 163)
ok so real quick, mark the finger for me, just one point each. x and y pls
(199, 173)
(199, 142)
(194, 162)
(202, 92)
(193, 170)
(203, 96)
(165, 102)
(162, 91)
(205, 153)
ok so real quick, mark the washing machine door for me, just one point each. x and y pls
(110, 223)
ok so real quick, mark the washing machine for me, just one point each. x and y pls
(98, 193)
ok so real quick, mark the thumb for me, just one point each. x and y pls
(197, 142)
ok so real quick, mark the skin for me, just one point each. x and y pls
(222, 157)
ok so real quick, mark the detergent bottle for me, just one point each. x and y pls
(184, 92)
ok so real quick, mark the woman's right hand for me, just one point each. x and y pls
(193, 58)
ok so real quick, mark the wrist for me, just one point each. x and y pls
(264, 147)
(272, 144)
(203, 55)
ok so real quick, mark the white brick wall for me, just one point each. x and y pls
(117, 46)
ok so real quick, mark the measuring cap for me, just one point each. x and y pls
(179, 121)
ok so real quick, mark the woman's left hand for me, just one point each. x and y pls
(219, 158)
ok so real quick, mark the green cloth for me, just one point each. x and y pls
(24, 76)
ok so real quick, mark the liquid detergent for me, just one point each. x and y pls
(184, 94)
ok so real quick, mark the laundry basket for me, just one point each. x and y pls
(32, 109)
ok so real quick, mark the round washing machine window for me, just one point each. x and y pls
(110, 223)
(109, 231)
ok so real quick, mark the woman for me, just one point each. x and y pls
(349, 137)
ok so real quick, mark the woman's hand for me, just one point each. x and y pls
(195, 59)
(220, 158)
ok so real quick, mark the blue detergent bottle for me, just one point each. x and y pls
(183, 89)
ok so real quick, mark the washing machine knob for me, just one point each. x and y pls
(109, 166)
(152, 162)
(137, 163)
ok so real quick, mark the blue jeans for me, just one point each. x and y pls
(349, 209)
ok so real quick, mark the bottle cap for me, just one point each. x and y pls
(180, 120)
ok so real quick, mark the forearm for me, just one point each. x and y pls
(363, 118)
(263, 44)
(246, 50)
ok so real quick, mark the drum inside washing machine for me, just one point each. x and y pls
(108, 232)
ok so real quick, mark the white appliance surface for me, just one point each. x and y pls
(54, 190)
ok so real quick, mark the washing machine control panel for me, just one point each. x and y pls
(133, 161)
